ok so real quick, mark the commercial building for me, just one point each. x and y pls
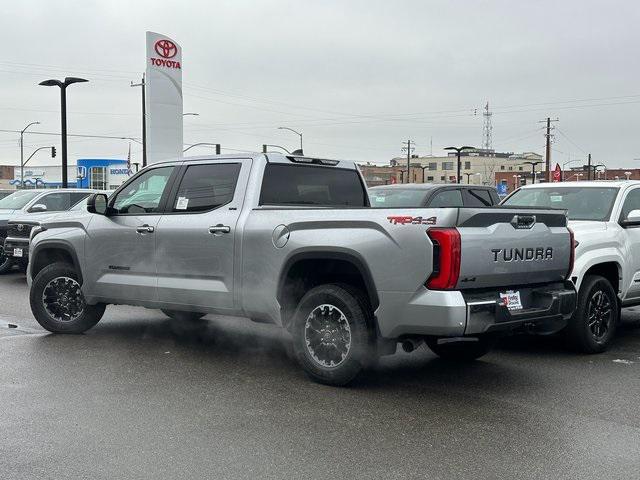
(103, 174)
(477, 166)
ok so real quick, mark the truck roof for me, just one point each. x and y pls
(270, 157)
(587, 183)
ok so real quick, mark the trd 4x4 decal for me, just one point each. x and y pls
(409, 220)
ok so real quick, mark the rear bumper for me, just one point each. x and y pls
(546, 309)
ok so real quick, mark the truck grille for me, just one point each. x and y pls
(19, 230)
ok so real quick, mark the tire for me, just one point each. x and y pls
(6, 263)
(462, 351)
(65, 310)
(596, 300)
(332, 333)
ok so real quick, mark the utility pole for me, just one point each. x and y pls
(548, 148)
(408, 147)
(589, 167)
(144, 121)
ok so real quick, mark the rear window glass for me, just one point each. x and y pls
(396, 197)
(478, 198)
(310, 185)
(447, 199)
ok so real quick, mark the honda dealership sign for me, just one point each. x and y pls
(163, 96)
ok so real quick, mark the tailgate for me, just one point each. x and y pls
(501, 247)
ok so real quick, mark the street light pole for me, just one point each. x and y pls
(297, 133)
(63, 117)
(458, 150)
(22, 152)
(533, 169)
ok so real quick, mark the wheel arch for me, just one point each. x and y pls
(304, 270)
(611, 270)
(48, 252)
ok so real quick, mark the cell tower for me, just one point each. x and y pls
(487, 129)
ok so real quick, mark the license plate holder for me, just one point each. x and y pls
(512, 300)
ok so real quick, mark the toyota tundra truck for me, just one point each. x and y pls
(293, 241)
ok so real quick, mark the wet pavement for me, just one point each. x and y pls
(134, 398)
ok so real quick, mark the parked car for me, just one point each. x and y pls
(290, 240)
(433, 195)
(605, 217)
(33, 203)
(16, 245)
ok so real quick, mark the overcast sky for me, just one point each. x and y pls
(356, 77)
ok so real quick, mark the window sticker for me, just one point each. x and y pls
(555, 198)
(182, 203)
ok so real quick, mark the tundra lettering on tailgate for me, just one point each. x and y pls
(522, 254)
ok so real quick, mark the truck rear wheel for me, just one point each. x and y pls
(593, 324)
(332, 334)
(465, 351)
(57, 301)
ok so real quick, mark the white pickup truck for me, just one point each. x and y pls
(605, 218)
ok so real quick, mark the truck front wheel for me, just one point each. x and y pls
(332, 334)
(465, 351)
(593, 324)
(57, 301)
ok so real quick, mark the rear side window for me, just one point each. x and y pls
(205, 187)
(310, 185)
(446, 198)
(478, 198)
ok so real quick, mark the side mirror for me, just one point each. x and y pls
(632, 220)
(38, 207)
(97, 203)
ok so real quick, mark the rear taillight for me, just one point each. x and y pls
(572, 253)
(446, 258)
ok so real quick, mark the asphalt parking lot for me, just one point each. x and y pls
(134, 399)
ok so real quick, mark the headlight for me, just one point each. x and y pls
(36, 230)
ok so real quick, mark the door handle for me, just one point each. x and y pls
(219, 229)
(145, 229)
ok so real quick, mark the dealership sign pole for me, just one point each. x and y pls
(163, 98)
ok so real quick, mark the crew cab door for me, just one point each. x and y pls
(197, 237)
(120, 248)
(631, 243)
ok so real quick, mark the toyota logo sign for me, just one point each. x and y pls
(166, 48)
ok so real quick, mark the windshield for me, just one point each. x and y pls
(18, 199)
(396, 197)
(582, 203)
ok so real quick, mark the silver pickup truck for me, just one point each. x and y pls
(293, 241)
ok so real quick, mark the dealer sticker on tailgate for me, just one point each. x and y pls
(511, 300)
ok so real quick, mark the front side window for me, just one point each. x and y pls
(55, 202)
(581, 203)
(205, 187)
(446, 198)
(310, 185)
(143, 193)
(632, 202)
